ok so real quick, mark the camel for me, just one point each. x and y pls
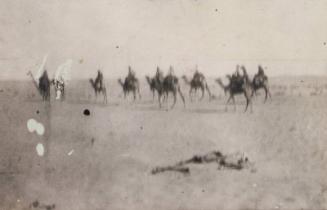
(196, 84)
(130, 86)
(151, 82)
(98, 88)
(169, 84)
(260, 82)
(43, 86)
(234, 88)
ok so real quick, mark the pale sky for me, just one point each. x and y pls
(286, 36)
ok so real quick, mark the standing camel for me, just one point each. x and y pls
(195, 84)
(169, 84)
(237, 87)
(43, 86)
(260, 80)
(99, 87)
(130, 86)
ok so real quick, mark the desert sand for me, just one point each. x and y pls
(104, 160)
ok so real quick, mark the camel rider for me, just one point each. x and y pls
(99, 79)
(131, 75)
(197, 76)
(236, 74)
(171, 74)
(236, 77)
(44, 77)
(261, 73)
(159, 75)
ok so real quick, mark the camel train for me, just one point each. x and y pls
(238, 84)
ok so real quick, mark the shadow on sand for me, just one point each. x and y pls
(206, 111)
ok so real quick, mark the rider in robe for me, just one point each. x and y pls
(171, 76)
(131, 76)
(197, 76)
(44, 77)
(261, 74)
(159, 75)
(237, 78)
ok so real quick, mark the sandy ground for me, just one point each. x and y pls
(103, 161)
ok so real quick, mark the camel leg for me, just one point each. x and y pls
(48, 94)
(209, 92)
(266, 94)
(152, 95)
(253, 92)
(248, 102)
(202, 91)
(175, 98)
(159, 99)
(63, 94)
(96, 96)
(268, 91)
(104, 91)
(190, 93)
(234, 103)
(226, 106)
(134, 95)
(181, 94)
(166, 94)
(138, 92)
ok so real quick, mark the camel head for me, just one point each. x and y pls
(148, 79)
(220, 82)
(184, 77)
(120, 82)
(92, 82)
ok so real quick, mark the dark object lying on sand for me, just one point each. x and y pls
(36, 205)
(235, 161)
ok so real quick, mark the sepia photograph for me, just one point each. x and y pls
(163, 105)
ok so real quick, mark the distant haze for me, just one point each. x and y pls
(286, 36)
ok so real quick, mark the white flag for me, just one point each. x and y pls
(64, 71)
